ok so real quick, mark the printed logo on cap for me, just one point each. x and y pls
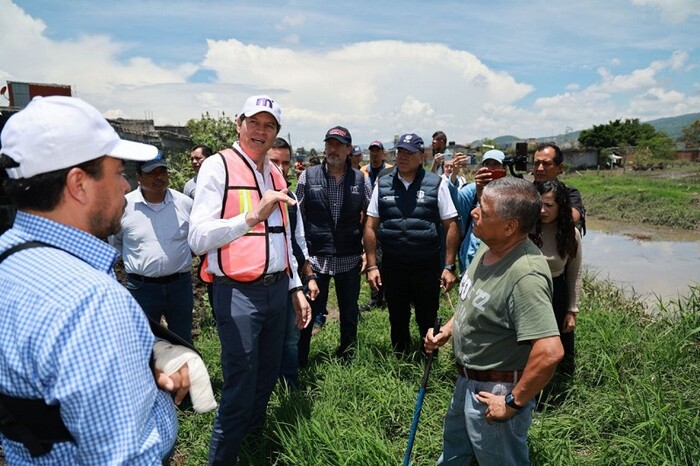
(338, 132)
(264, 102)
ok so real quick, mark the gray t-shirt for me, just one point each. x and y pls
(190, 186)
(501, 307)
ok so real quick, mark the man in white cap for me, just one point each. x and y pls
(467, 197)
(76, 346)
(242, 229)
(153, 244)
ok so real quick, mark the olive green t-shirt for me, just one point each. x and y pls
(501, 308)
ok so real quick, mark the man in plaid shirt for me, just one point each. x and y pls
(333, 198)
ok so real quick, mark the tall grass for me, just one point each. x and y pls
(633, 399)
(670, 198)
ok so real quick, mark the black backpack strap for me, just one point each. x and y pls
(31, 421)
(21, 246)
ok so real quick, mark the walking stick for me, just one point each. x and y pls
(419, 400)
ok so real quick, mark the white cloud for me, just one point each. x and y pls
(673, 11)
(673, 102)
(89, 63)
(376, 88)
(638, 79)
(610, 98)
(373, 88)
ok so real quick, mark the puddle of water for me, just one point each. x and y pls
(663, 265)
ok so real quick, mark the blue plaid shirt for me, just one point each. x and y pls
(71, 334)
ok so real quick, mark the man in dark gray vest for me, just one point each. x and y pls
(405, 211)
(333, 197)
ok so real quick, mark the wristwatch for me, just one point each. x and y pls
(450, 267)
(510, 401)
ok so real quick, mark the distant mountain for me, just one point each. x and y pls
(673, 126)
(507, 140)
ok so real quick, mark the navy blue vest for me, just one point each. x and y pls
(296, 249)
(323, 238)
(409, 218)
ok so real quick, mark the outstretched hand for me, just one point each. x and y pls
(268, 204)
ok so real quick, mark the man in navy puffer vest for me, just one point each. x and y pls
(405, 211)
(333, 198)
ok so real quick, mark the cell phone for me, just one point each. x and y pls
(496, 174)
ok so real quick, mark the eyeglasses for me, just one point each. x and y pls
(544, 163)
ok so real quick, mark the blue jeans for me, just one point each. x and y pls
(173, 300)
(347, 290)
(467, 435)
(289, 370)
(250, 320)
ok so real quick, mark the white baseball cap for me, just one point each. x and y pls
(57, 132)
(262, 103)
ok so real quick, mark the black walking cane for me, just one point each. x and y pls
(419, 400)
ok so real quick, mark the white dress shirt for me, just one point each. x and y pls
(445, 204)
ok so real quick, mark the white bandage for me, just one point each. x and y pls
(169, 358)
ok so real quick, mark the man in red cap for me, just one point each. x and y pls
(376, 161)
(333, 198)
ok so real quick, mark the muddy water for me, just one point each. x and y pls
(645, 260)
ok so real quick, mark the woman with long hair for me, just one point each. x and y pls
(560, 242)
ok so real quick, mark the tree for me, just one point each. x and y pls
(691, 135)
(628, 133)
(216, 133)
(660, 145)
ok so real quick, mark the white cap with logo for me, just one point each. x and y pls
(262, 103)
(57, 132)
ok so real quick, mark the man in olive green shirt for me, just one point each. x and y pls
(506, 340)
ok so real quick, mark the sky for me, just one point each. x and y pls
(380, 68)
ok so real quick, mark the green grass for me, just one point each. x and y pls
(632, 401)
(670, 198)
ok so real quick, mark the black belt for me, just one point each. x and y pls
(267, 279)
(275, 229)
(161, 280)
(489, 376)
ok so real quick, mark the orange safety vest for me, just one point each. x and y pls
(246, 258)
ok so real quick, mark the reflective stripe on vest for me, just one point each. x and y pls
(246, 258)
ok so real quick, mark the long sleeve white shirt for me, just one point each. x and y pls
(209, 232)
